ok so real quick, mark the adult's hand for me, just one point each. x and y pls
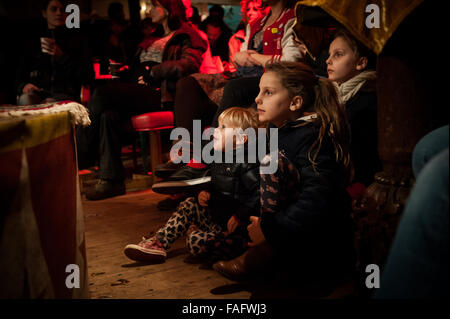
(141, 80)
(260, 59)
(50, 47)
(30, 88)
(244, 59)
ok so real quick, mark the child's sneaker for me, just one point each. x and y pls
(148, 250)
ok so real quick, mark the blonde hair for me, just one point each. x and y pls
(238, 117)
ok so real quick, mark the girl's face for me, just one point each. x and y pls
(274, 103)
(158, 13)
(342, 64)
(54, 14)
(253, 11)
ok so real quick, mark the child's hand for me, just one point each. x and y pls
(203, 198)
(255, 232)
(233, 222)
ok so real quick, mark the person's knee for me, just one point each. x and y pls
(430, 145)
(185, 84)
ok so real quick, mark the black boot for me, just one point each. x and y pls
(106, 189)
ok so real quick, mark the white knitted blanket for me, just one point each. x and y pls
(78, 113)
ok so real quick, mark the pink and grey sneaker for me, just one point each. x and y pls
(148, 250)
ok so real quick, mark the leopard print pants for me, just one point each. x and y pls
(192, 220)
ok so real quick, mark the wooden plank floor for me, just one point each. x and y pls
(111, 224)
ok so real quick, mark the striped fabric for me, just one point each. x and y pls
(41, 215)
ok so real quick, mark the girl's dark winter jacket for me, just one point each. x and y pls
(316, 228)
(362, 115)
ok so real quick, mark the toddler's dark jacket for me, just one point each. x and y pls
(234, 191)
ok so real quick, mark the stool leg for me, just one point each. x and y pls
(155, 151)
(144, 140)
(134, 154)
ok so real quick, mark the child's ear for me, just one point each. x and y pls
(296, 103)
(44, 14)
(242, 139)
(362, 63)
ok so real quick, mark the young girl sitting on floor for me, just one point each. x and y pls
(217, 216)
(304, 229)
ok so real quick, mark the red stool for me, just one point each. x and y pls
(153, 123)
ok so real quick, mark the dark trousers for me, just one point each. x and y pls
(238, 92)
(192, 103)
(109, 108)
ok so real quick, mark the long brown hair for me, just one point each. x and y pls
(319, 96)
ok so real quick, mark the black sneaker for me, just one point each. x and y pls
(185, 180)
(106, 189)
(167, 169)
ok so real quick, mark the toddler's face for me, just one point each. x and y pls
(223, 137)
(273, 100)
(342, 64)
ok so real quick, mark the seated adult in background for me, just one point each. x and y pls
(218, 38)
(270, 38)
(216, 12)
(251, 10)
(351, 68)
(56, 63)
(175, 54)
(209, 65)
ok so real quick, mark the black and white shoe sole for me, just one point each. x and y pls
(176, 187)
